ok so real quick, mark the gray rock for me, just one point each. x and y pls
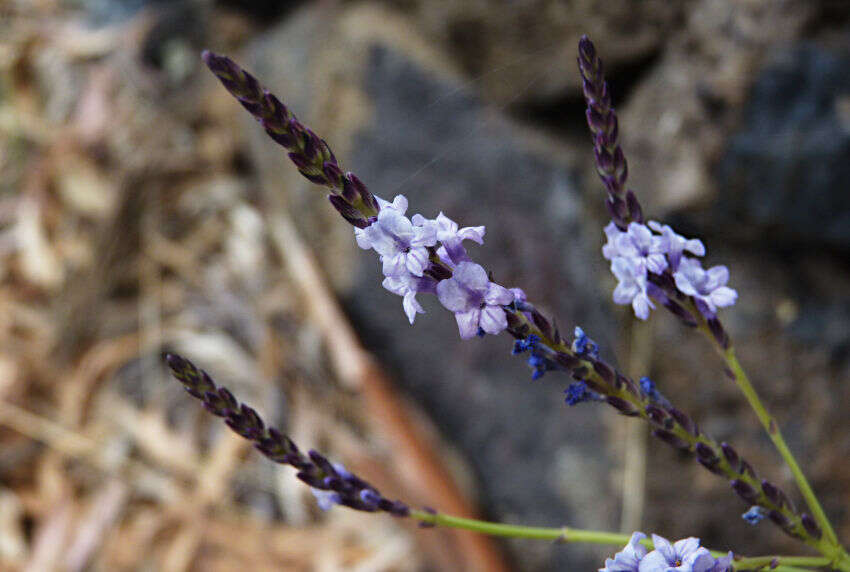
(785, 172)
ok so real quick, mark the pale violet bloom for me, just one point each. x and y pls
(708, 287)
(632, 285)
(407, 286)
(676, 244)
(628, 559)
(327, 499)
(640, 244)
(401, 244)
(451, 235)
(476, 302)
(609, 250)
(684, 555)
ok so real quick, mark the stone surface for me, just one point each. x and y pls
(785, 171)
(524, 52)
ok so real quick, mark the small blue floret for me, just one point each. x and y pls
(583, 345)
(576, 393)
(755, 515)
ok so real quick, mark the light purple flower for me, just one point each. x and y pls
(609, 250)
(639, 243)
(476, 302)
(628, 559)
(327, 499)
(401, 244)
(408, 285)
(451, 236)
(684, 555)
(632, 285)
(708, 287)
(676, 244)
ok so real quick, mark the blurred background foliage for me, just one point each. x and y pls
(142, 211)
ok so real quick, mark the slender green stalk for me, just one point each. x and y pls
(837, 554)
(567, 534)
(772, 427)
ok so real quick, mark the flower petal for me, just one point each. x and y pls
(453, 296)
(467, 323)
(498, 295)
(472, 275)
(493, 320)
(411, 306)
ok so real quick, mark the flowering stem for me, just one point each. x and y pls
(567, 534)
(736, 371)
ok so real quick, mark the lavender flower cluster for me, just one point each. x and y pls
(642, 250)
(427, 255)
(684, 555)
(652, 264)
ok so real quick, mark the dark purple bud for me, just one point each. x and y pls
(227, 399)
(595, 121)
(280, 135)
(542, 323)
(719, 333)
(333, 174)
(622, 406)
(348, 212)
(679, 311)
(567, 361)
(617, 209)
(634, 207)
(321, 462)
(706, 453)
(580, 373)
(731, 455)
(713, 467)
(771, 492)
(311, 480)
(683, 420)
(301, 161)
(746, 469)
(782, 522)
(656, 414)
(604, 371)
(811, 526)
(671, 439)
(744, 491)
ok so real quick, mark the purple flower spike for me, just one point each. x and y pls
(401, 244)
(475, 301)
(684, 555)
(708, 287)
(632, 286)
(629, 558)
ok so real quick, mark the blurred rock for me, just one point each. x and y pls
(508, 46)
(400, 118)
(784, 173)
(678, 119)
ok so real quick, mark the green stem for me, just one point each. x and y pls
(772, 427)
(567, 534)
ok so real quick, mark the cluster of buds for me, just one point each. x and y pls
(330, 482)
